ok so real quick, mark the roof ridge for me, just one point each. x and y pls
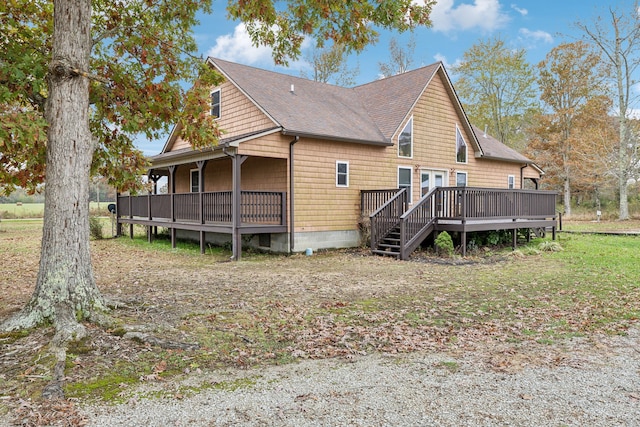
(278, 73)
(399, 75)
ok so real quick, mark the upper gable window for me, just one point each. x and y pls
(405, 140)
(215, 103)
(461, 147)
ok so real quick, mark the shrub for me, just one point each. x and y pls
(444, 244)
(95, 228)
(365, 231)
(550, 246)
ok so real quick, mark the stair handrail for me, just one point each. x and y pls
(387, 216)
(416, 220)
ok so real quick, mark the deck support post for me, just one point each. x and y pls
(236, 236)
(172, 191)
(463, 243)
(201, 165)
(515, 238)
(462, 200)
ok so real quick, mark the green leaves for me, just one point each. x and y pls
(349, 23)
(146, 51)
(497, 86)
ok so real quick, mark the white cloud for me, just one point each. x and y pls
(448, 65)
(483, 14)
(521, 11)
(237, 47)
(538, 35)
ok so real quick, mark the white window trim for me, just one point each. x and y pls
(466, 157)
(410, 198)
(191, 171)
(511, 178)
(338, 162)
(219, 102)
(412, 139)
(466, 178)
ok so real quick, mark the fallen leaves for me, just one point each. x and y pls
(57, 412)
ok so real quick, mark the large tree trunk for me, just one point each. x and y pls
(623, 169)
(567, 197)
(65, 289)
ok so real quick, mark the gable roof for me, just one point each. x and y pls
(390, 100)
(371, 113)
(312, 109)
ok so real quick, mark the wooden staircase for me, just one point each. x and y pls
(396, 231)
(389, 245)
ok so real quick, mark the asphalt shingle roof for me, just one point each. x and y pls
(312, 108)
(370, 113)
(492, 148)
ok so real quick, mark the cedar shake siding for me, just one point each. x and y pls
(284, 135)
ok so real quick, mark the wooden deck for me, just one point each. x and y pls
(398, 231)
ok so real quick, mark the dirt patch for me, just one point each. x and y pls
(271, 310)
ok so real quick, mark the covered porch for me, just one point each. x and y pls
(208, 195)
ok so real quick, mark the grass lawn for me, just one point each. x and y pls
(273, 309)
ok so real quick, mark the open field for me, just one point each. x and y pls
(272, 310)
(36, 210)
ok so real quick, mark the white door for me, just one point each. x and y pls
(430, 179)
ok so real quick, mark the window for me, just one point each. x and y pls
(404, 180)
(405, 140)
(215, 103)
(511, 181)
(461, 147)
(425, 185)
(461, 179)
(195, 181)
(342, 174)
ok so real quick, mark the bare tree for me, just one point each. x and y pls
(617, 37)
(401, 58)
(330, 66)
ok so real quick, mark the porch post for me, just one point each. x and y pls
(201, 165)
(155, 178)
(172, 191)
(118, 223)
(463, 213)
(130, 216)
(236, 217)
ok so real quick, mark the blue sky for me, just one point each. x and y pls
(535, 25)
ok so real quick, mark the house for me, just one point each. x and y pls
(301, 163)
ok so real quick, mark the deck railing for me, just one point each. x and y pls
(387, 216)
(418, 221)
(257, 207)
(462, 204)
(371, 200)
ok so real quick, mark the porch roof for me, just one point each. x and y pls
(494, 149)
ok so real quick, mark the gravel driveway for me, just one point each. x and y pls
(581, 382)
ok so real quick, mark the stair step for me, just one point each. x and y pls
(388, 246)
(386, 253)
(390, 239)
